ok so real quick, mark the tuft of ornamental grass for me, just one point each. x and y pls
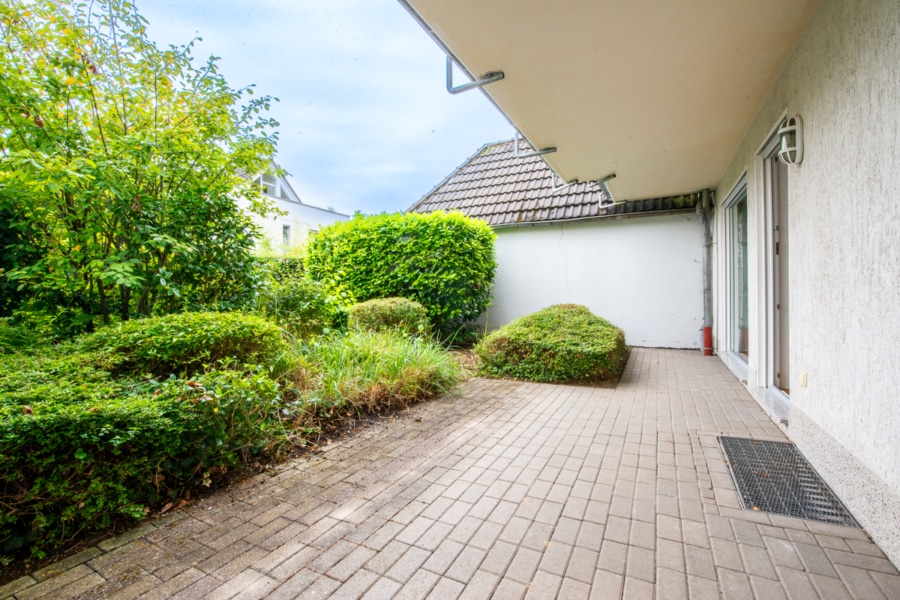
(367, 371)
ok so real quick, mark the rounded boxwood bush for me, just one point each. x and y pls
(444, 261)
(186, 342)
(298, 304)
(385, 314)
(565, 342)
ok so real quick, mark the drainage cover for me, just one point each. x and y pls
(774, 477)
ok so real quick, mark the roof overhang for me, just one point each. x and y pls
(659, 93)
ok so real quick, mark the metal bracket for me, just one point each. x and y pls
(556, 188)
(540, 152)
(486, 79)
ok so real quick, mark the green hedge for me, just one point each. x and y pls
(79, 448)
(565, 342)
(384, 314)
(185, 342)
(445, 262)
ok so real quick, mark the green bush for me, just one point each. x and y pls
(561, 343)
(184, 343)
(282, 268)
(367, 371)
(298, 304)
(445, 262)
(385, 314)
(79, 448)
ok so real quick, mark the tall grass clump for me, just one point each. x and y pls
(366, 371)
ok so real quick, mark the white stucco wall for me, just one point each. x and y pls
(301, 217)
(844, 219)
(642, 274)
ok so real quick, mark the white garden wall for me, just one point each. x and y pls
(844, 220)
(642, 274)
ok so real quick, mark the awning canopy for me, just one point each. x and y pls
(659, 93)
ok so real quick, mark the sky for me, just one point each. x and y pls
(366, 123)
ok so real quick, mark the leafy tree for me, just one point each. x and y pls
(121, 161)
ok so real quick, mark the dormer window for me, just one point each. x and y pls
(270, 186)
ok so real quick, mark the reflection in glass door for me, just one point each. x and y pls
(739, 282)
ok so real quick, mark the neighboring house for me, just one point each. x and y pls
(637, 264)
(675, 97)
(284, 232)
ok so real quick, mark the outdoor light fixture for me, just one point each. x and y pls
(790, 131)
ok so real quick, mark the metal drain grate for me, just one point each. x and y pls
(774, 477)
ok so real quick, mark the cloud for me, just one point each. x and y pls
(365, 121)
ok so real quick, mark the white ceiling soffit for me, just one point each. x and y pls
(659, 92)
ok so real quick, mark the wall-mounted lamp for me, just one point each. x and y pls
(790, 152)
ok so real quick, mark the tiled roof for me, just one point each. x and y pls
(502, 190)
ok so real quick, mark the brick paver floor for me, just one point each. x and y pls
(504, 490)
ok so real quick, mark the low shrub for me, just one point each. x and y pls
(185, 343)
(79, 448)
(366, 371)
(443, 261)
(565, 342)
(26, 331)
(299, 305)
(384, 314)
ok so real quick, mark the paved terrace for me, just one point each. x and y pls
(504, 490)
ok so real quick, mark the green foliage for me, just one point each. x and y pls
(561, 343)
(79, 448)
(26, 331)
(89, 435)
(385, 314)
(119, 166)
(283, 268)
(445, 262)
(299, 305)
(366, 371)
(184, 343)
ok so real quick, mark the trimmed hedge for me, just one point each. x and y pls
(184, 343)
(79, 448)
(443, 261)
(386, 314)
(564, 342)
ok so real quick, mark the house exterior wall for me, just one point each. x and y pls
(642, 274)
(844, 222)
(302, 219)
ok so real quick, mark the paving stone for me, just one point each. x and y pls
(17, 585)
(670, 585)
(465, 564)
(502, 489)
(859, 583)
(607, 586)
(354, 587)
(236, 585)
(446, 589)
(179, 583)
(385, 559)
(408, 564)
(544, 585)
(418, 586)
(351, 564)
(65, 580)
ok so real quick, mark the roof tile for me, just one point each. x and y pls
(500, 189)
